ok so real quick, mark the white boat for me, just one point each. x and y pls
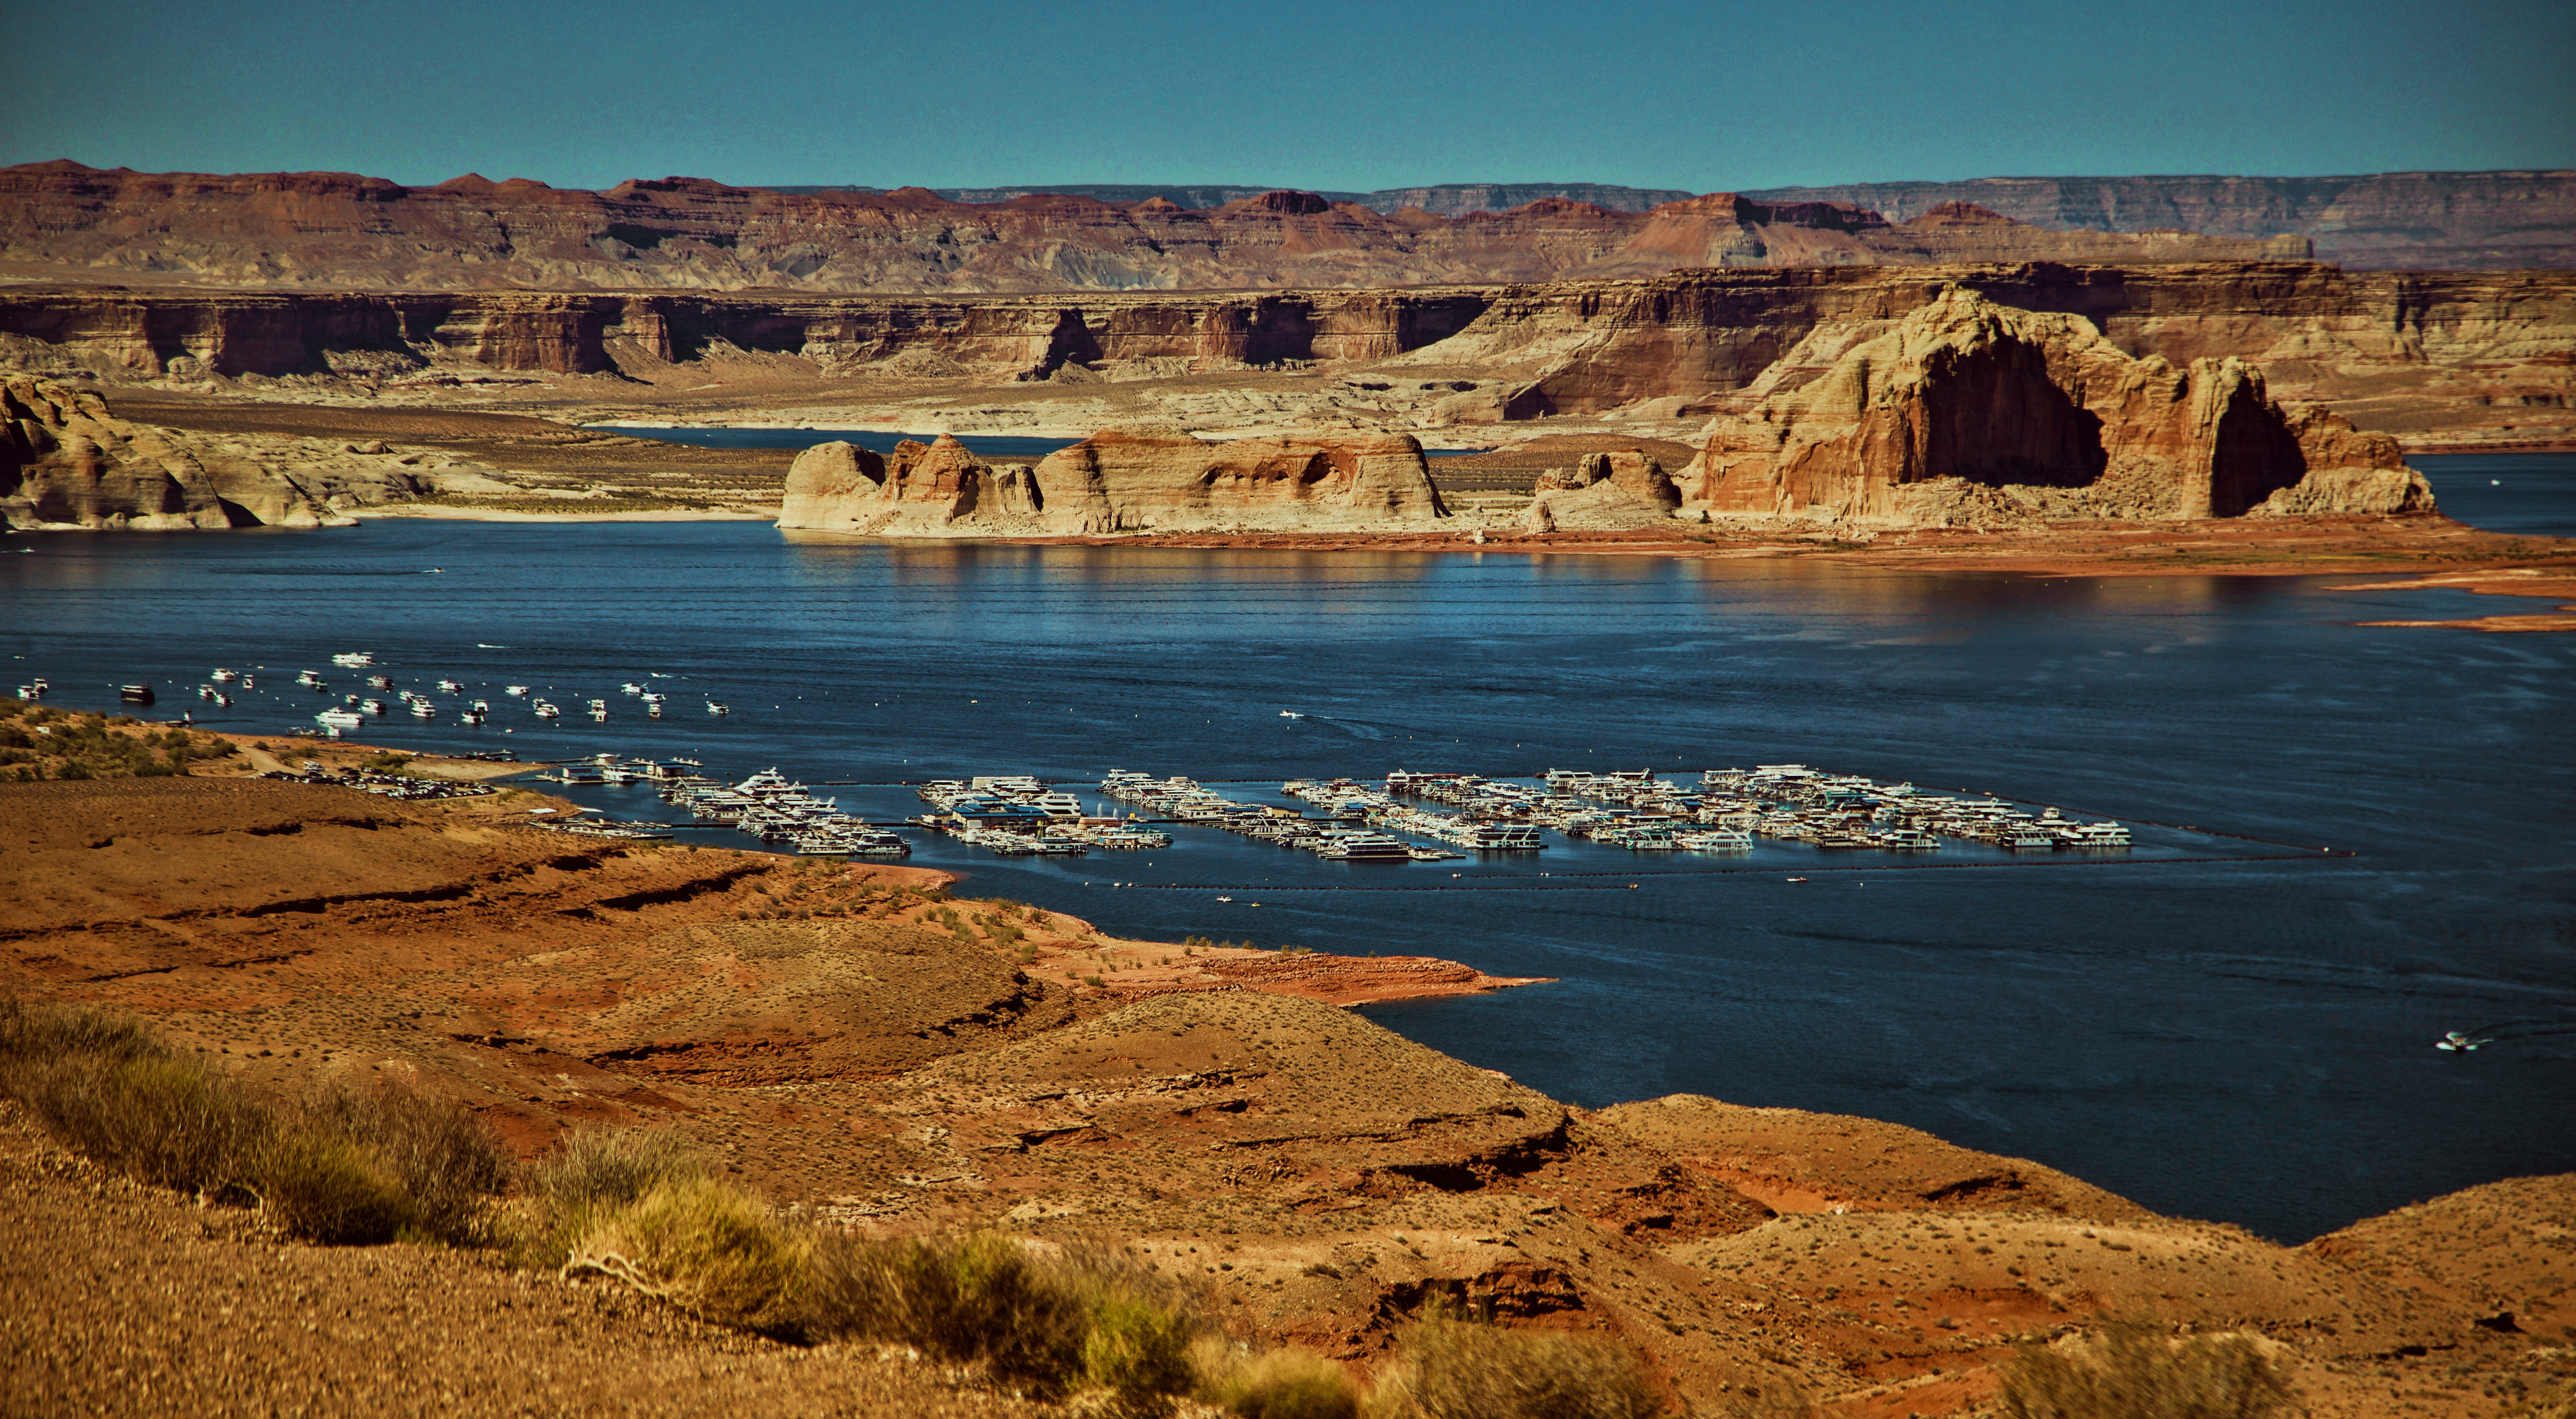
(482, 707)
(423, 709)
(631, 688)
(717, 707)
(337, 719)
(222, 676)
(449, 687)
(353, 658)
(520, 691)
(376, 707)
(309, 677)
(546, 710)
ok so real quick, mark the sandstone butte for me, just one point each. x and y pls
(337, 231)
(1967, 411)
(1120, 480)
(843, 1051)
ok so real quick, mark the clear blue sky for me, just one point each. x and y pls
(1329, 95)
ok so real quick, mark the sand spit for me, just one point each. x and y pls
(2544, 581)
(858, 1042)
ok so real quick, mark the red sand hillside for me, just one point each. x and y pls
(853, 1042)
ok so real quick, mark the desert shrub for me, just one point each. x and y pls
(441, 1158)
(1050, 1322)
(1274, 1384)
(1137, 1349)
(2134, 1371)
(711, 1249)
(1451, 1368)
(107, 1087)
(346, 1167)
(594, 1172)
(327, 1188)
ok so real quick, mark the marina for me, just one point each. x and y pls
(1944, 974)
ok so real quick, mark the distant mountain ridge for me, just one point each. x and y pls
(2504, 218)
(1448, 199)
(2509, 218)
(339, 231)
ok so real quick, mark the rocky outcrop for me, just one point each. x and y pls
(1604, 492)
(1120, 480)
(1164, 480)
(340, 232)
(1967, 410)
(921, 489)
(67, 462)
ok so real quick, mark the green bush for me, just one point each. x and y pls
(1449, 1368)
(1275, 1384)
(2134, 1371)
(709, 1248)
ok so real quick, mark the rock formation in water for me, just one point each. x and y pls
(1164, 480)
(1119, 480)
(1969, 411)
(342, 232)
(1604, 492)
(933, 489)
(67, 462)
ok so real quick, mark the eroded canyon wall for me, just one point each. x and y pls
(2395, 350)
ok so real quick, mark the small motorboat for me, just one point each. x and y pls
(518, 691)
(134, 694)
(2460, 1042)
(449, 687)
(374, 707)
(223, 676)
(718, 707)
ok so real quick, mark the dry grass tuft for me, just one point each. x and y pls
(1274, 1384)
(592, 1173)
(1052, 1322)
(1451, 1368)
(709, 1248)
(346, 1167)
(2135, 1371)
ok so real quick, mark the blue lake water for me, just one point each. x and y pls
(2227, 1024)
(989, 445)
